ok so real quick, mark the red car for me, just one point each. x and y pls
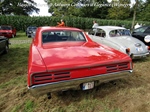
(7, 31)
(62, 58)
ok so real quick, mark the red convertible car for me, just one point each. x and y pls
(62, 58)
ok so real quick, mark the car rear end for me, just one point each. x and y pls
(60, 64)
(78, 78)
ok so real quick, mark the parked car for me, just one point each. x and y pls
(31, 30)
(4, 45)
(8, 31)
(62, 58)
(143, 34)
(120, 39)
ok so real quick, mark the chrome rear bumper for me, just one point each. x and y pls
(42, 89)
(137, 56)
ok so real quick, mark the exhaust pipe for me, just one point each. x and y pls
(49, 95)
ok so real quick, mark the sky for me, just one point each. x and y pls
(44, 8)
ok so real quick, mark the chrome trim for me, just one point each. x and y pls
(42, 89)
(89, 66)
(137, 56)
(138, 44)
(81, 67)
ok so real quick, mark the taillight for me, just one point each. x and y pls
(128, 50)
(148, 47)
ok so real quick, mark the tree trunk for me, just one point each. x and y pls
(134, 15)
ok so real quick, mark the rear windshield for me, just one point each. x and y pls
(5, 28)
(62, 35)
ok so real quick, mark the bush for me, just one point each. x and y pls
(22, 22)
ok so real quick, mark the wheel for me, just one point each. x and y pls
(6, 49)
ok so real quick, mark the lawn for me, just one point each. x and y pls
(131, 94)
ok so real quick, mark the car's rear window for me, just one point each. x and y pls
(119, 32)
(62, 35)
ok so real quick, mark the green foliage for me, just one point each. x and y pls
(18, 7)
(61, 8)
(78, 8)
(144, 14)
(22, 22)
(119, 10)
(96, 9)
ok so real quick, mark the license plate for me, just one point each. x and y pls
(88, 85)
(139, 49)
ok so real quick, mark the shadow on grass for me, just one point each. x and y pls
(142, 60)
(101, 91)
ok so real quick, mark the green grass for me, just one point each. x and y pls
(29, 106)
(126, 95)
(13, 82)
(15, 62)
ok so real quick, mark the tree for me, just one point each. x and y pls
(120, 10)
(136, 9)
(18, 7)
(144, 14)
(79, 8)
(63, 8)
(96, 9)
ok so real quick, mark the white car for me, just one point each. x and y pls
(119, 38)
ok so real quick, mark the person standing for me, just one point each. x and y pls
(136, 26)
(95, 24)
(62, 23)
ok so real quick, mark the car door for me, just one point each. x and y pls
(96, 35)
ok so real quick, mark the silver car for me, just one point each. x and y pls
(119, 38)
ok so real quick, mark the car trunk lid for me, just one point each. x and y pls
(63, 55)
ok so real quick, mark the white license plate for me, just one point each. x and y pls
(139, 49)
(88, 85)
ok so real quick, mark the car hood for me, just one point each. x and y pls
(5, 31)
(73, 54)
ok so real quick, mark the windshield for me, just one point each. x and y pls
(119, 32)
(5, 28)
(32, 28)
(140, 30)
(62, 35)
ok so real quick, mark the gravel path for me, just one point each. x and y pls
(20, 41)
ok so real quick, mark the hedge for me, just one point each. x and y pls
(22, 22)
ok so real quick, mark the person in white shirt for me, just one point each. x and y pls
(95, 24)
(137, 26)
